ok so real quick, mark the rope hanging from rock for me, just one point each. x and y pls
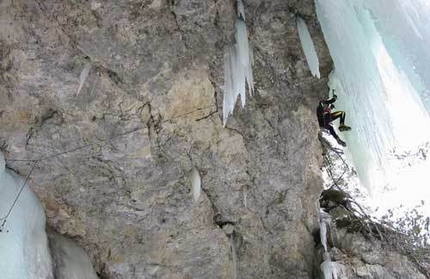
(36, 161)
(4, 218)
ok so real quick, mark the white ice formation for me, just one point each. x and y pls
(83, 76)
(72, 262)
(196, 184)
(240, 9)
(24, 251)
(332, 270)
(308, 47)
(324, 224)
(382, 77)
(237, 68)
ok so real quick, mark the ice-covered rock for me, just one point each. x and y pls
(24, 251)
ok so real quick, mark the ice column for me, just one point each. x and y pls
(237, 67)
(308, 47)
(324, 222)
(24, 249)
(331, 270)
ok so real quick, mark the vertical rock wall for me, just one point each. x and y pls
(148, 113)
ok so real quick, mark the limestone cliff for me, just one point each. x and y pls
(117, 155)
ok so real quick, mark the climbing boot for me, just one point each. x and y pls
(341, 142)
(343, 127)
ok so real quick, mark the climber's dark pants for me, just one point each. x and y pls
(326, 120)
(331, 130)
(335, 115)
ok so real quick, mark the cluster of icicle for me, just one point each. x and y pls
(238, 61)
(308, 47)
(331, 270)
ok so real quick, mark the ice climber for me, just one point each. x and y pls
(326, 117)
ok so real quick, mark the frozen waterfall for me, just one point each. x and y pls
(24, 251)
(308, 47)
(237, 67)
(382, 77)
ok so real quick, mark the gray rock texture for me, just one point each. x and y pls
(370, 259)
(364, 255)
(115, 159)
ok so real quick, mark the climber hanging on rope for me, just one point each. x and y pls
(326, 117)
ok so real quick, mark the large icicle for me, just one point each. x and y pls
(308, 47)
(24, 252)
(237, 67)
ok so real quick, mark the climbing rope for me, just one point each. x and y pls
(4, 218)
(36, 161)
(327, 148)
(105, 140)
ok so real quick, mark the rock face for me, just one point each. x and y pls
(352, 243)
(371, 260)
(116, 159)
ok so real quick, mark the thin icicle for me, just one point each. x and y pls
(325, 219)
(196, 184)
(308, 47)
(245, 193)
(240, 9)
(2, 163)
(323, 235)
(234, 256)
(228, 101)
(239, 76)
(83, 77)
